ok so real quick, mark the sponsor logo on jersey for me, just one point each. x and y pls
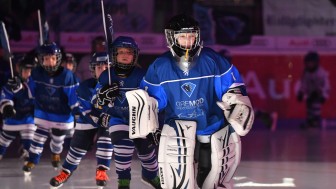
(188, 88)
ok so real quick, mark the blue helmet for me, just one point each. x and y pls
(124, 42)
(50, 49)
(97, 59)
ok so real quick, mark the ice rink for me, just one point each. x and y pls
(282, 159)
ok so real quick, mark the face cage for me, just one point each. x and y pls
(92, 68)
(51, 68)
(172, 39)
(121, 65)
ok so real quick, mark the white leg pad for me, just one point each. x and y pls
(225, 157)
(143, 113)
(176, 155)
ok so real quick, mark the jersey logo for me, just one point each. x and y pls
(50, 90)
(121, 83)
(188, 88)
(122, 97)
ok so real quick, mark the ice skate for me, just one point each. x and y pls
(28, 167)
(55, 161)
(124, 184)
(59, 180)
(101, 177)
(154, 183)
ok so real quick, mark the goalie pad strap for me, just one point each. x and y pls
(238, 112)
(225, 157)
(176, 155)
(143, 113)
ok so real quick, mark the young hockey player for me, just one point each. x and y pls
(86, 130)
(18, 109)
(314, 89)
(194, 85)
(54, 90)
(124, 76)
(69, 62)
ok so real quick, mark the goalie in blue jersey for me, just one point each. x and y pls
(206, 110)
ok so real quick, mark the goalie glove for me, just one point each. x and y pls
(107, 94)
(238, 111)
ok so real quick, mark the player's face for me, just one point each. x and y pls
(68, 65)
(50, 60)
(186, 40)
(25, 73)
(125, 55)
(100, 68)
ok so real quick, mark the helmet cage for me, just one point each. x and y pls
(48, 49)
(172, 38)
(135, 52)
(97, 60)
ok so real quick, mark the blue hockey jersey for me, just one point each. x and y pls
(119, 112)
(85, 92)
(55, 96)
(192, 95)
(23, 104)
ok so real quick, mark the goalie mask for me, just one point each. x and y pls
(50, 57)
(124, 46)
(183, 37)
(98, 59)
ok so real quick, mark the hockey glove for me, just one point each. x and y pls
(8, 111)
(107, 94)
(154, 138)
(14, 84)
(104, 120)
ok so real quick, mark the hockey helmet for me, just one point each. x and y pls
(311, 61)
(96, 60)
(124, 42)
(48, 49)
(183, 37)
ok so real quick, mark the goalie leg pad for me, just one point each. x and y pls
(225, 157)
(176, 155)
(143, 113)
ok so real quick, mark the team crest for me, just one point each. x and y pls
(188, 88)
(50, 90)
(122, 97)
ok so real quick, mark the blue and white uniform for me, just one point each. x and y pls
(192, 95)
(23, 121)
(118, 128)
(55, 101)
(85, 132)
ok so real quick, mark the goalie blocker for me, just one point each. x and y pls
(143, 113)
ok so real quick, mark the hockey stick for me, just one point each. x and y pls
(5, 46)
(106, 41)
(40, 26)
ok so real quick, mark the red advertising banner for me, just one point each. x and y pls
(272, 82)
